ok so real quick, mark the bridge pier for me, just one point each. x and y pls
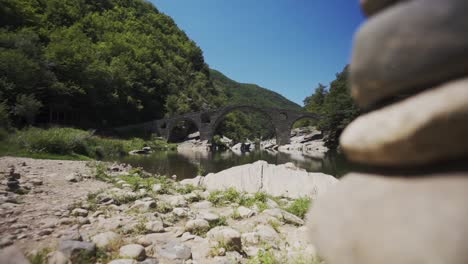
(283, 134)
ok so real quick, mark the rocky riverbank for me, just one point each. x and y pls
(307, 141)
(104, 213)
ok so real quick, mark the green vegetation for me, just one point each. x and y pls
(240, 125)
(267, 256)
(299, 207)
(231, 195)
(250, 94)
(69, 143)
(100, 63)
(40, 257)
(222, 221)
(335, 106)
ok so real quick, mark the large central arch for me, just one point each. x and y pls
(221, 115)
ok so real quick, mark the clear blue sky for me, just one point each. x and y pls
(287, 46)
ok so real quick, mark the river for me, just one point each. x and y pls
(189, 163)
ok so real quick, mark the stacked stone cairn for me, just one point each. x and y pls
(409, 72)
(13, 180)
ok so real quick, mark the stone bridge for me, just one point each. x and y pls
(207, 121)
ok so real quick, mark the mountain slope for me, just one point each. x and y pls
(250, 94)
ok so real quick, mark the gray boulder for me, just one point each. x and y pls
(227, 236)
(75, 249)
(175, 251)
(263, 177)
(420, 130)
(103, 240)
(133, 251)
(368, 219)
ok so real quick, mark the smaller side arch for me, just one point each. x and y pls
(171, 125)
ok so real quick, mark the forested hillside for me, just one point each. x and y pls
(335, 105)
(250, 94)
(98, 63)
(95, 64)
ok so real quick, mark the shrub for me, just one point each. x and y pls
(53, 140)
(299, 207)
(27, 107)
(4, 116)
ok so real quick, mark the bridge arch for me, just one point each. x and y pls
(302, 116)
(220, 117)
(174, 123)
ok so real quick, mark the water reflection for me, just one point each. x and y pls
(189, 163)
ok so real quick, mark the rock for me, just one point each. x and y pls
(181, 212)
(149, 261)
(104, 240)
(36, 182)
(202, 205)
(191, 197)
(83, 220)
(45, 232)
(74, 249)
(186, 236)
(157, 188)
(411, 132)
(72, 235)
(197, 226)
(133, 251)
(411, 46)
(371, 7)
(195, 181)
(209, 216)
(419, 220)
(245, 212)
(267, 234)
(79, 212)
(73, 177)
(154, 226)
(251, 238)
(144, 205)
(292, 219)
(177, 201)
(147, 149)
(57, 257)
(263, 177)
(227, 236)
(123, 261)
(284, 216)
(271, 204)
(175, 251)
(12, 255)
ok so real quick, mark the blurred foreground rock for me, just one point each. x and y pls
(412, 209)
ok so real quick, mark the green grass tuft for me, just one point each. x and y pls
(299, 207)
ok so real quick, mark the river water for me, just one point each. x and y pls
(189, 163)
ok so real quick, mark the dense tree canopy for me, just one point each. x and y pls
(335, 105)
(108, 62)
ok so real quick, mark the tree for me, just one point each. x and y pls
(335, 106)
(27, 107)
(338, 108)
(4, 116)
(315, 102)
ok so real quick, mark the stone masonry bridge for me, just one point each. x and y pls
(207, 121)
